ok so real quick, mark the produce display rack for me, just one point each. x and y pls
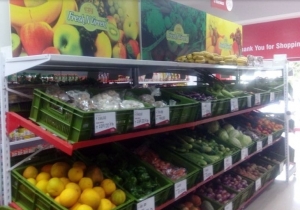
(9, 120)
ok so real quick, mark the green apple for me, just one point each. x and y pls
(34, 3)
(131, 28)
(67, 40)
(16, 45)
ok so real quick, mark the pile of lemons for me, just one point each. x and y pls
(75, 186)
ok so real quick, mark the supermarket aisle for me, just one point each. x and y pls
(281, 195)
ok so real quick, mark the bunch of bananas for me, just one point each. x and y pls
(213, 58)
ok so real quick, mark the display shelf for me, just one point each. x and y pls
(24, 141)
(49, 62)
(169, 202)
(257, 193)
(14, 120)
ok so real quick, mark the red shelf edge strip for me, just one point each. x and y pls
(14, 120)
(169, 202)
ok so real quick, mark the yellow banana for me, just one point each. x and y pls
(68, 5)
(47, 12)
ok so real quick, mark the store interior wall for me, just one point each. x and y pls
(4, 24)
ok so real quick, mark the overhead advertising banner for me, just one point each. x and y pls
(222, 4)
(276, 37)
(75, 27)
(222, 36)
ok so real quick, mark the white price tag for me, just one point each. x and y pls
(228, 206)
(208, 172)
(249, 101)
(227, 162)
(206, 109)
(105, 122)
(244, 153)
(141, 118)
(257, 184)
(148, 204)
(270, 139)
(281, 167)
(259, 146)
(162, 116)
(257, 99)
(180, 188)
(234, 104)
(272, 96)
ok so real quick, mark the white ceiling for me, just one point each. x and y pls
(250, 11)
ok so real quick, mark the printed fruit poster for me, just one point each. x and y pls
(223, 37)
(170, 29)
(99, 28)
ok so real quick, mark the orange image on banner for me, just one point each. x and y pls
(223, 37)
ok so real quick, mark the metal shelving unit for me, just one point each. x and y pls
(10, 121)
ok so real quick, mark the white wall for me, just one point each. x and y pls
(4, 23)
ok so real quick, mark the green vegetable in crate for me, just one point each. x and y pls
(206, 205)
(223, 135)
(213, 126)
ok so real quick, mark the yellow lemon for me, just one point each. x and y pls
(42, 185)
(105, 204)
(68, 197)
(64, 180)
(85, 183)
(73, 186)
(84, 207)
(100, 192)
(90, 197)
(57, 199)
(30, 172)
(75, 206)
(46, 168)
(79, 164)
(55, 186)
(75, 174)
(32, 181)
(43, 176)
(60, 169)
(109, 186)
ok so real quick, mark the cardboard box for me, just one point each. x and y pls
(104, 28)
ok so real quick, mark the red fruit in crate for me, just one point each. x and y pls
(196, 200)
(36, 37)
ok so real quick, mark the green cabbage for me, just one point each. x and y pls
(213, 126)
(246, 140)
(234, 133)
(235, 142)
(223, 135)
(228, 127)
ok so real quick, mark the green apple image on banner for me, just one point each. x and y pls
(67, 40)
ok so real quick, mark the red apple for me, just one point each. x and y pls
(51, 50)
(36, 37)
(17, 2)
(119, 51)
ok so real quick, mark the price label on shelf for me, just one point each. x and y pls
(141, 118)
(257, 184)
(105, 123)
(206, 109)
(228, 206)
(259, 146)
(234, 104)
(208, 172)
(244, 153)
(270, 139)
(257, 99)
(272, 96)
(162, 116)
(249, 101)
(227, 162)
(281, 166)
(148, 204)
(180, 188)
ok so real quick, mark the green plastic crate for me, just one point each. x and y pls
(161, 194)
(165, 155)
(70, 123)
(184, 111)
(29, 197)
(275, 158)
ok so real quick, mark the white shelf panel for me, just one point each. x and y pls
(25, 141)
(15, 65)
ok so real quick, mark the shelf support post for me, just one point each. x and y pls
(135, 76)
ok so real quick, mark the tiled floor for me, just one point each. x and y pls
(282, 195)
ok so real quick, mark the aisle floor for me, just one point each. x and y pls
(282, 195)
